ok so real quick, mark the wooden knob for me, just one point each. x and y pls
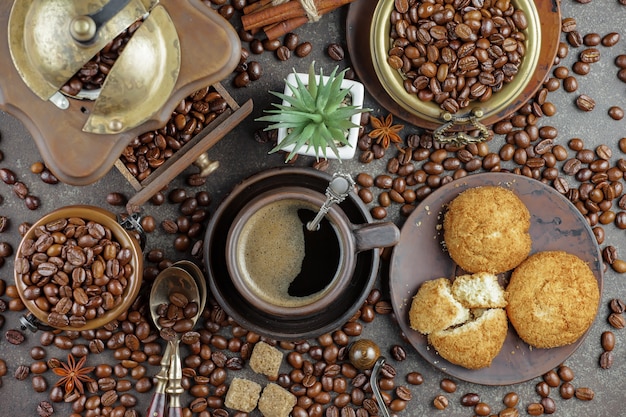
(363, 354)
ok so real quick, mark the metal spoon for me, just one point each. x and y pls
(196, 273)
(337, 191)
(169, 378)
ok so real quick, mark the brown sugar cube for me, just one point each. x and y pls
(276, 401)
(242, 395)
(266, 360)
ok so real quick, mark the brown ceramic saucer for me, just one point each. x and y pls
(419, 256)
(358, 24)
(277, 326)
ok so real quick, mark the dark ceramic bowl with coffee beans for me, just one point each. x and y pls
(278, 326)
(461, 61)
(77, 269)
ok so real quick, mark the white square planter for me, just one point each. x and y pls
(356, 92)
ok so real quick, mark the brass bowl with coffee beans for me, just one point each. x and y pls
(78, 269)
(459, 63)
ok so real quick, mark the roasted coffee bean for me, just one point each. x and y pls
(398, 353)
(45, 409)
(448, 385)
(534, 409)
(552, 378)
(241, 80)
(482, 409)
(606, 359)
(116, 199)
(470, 400)
(607, 340)
(511, 399)
(303, 49)
(592, 39)
(283, 53)
(549, 406)
(21, 372)
(291, 40)
(39, 383)
(616, 113)
(335, 52)
(609, 254)
(567, 390)
(617, 320)
(32, 202)
(8, 176)
(581, 68)
(364, 180)
(385, 307)
(543, 389)
(440, 402)
(584, 394)
(585, 103)
(14, 336)
(610, 39)
(509, 412)
(20, 190)
(565, 373)
(414, 378)
(570, 84)
(48, 177)
(271, 44)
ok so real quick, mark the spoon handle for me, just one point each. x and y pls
(174, 388)
(374, 384)
(157, 405)
(159, 399)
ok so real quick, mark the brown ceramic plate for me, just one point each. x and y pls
(358, 22)
(555, 225)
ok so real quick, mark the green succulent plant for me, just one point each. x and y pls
(318, 116)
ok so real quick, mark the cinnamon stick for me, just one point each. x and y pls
(252, 7)
(279, 29)
(285, 11)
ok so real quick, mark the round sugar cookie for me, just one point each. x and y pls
(486, 229)
(553, 299)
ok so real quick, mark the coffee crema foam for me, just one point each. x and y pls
(271, 250)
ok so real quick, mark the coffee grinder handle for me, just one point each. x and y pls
(375, 235)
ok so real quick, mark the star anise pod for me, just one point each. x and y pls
(385, 131)
(73, 374)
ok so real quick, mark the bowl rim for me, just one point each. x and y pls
(108, 219)
(392, 81)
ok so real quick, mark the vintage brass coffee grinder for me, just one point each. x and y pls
(180, 47)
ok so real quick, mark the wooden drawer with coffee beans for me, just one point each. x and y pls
(154, 159)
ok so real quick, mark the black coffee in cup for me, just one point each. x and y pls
(282, 262)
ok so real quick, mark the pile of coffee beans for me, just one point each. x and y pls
(177, 314)
(74, 270)
(92, 75)
(320, 375)
(150, 150)
(456, 53)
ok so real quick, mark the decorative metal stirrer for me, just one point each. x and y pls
(337, 191)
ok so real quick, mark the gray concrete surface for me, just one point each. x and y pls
(240, 156)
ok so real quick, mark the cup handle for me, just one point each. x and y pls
(375, 235)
